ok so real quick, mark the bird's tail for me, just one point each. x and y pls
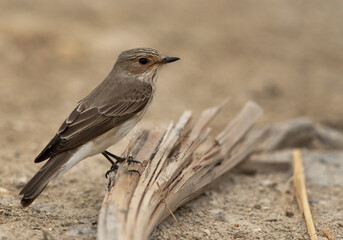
(40, 180)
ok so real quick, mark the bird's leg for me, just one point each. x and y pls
(114, 166)
(129, 159)
(108, 158)
(117, 158)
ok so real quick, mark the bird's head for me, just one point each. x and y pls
(142, 61)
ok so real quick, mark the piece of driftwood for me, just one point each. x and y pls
(177, 166)
(275, 151)
(300, 133)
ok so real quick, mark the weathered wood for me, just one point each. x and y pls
(274, 152)
(300, 133)
(175, 170)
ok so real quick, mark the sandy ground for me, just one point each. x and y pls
(287, 56)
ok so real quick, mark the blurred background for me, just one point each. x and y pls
(285, 55)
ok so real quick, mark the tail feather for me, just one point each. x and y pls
(40, 180)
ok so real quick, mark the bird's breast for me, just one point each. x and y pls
(114, 135)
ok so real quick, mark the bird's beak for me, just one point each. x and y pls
(169, 59)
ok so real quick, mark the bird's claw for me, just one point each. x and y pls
(134, 171)
(130, 160)
(113, 168)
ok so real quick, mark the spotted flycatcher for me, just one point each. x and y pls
(102, 118)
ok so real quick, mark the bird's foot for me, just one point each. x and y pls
(118, 159)
(113, 168)
(129, 159)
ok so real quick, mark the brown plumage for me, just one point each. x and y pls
(102, 118)
(41, 179)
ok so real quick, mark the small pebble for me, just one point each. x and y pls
(3, 235)
(268, 183)
(289, 214)
(22, 181)
(257, 206)
(240, 234)
(271, 220)
(36, 227)
(207, 232)
(220, 215)
(82, 230)
(48, 208)
(7, 214)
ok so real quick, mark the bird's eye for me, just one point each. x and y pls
(143, 61)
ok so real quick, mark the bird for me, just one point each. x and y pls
(100, 119)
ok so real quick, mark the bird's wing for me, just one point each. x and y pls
(87, 123)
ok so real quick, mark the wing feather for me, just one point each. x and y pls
(86, 123)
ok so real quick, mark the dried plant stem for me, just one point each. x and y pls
(300, 188)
